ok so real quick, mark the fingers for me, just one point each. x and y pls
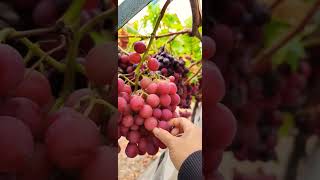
(175, 131)
(164, 136)
(181, 123)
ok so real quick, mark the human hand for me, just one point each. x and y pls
(188, 141)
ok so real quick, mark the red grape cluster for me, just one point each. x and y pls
(307, 120)
(36, 144)
(153, 105)
(129, 62)
(164, 64)
(169, 66)
(46, 131)
(219, 122)
(254, 94)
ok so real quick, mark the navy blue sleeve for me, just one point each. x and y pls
(191, 168)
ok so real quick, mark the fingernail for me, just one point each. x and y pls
(156, 131)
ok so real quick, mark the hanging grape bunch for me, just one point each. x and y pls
(166, 65)
(169, 66)
(252, 97)
(220, 123)
(257, 92)
(151, 105)
(56, 100)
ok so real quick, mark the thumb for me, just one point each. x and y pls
(164, 136)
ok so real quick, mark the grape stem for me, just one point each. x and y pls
(72, 14)
(188, 31)
(33, 32)
(265, 54)
(153, 35)
(97, 19)
(70, 74)
(194, 64)
(195, 75)
(107, 104)
(123, 51)
(58, 103)
(82, 99)
(28, 57)
(36, 50)
(71, 65)
(172, 38)
(90, 107)
(62, 45)
(127, 79)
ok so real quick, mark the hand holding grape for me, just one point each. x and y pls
(180, 147)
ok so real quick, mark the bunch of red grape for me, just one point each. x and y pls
(141, 111)
(221, 125)
(307, 117)
(255, 94)
(218, 119)
(34, 141)
(169, 66)
(164, 64)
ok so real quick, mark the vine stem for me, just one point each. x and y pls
(196, 18)
(188, 31)
(261, 57)
(153, 35)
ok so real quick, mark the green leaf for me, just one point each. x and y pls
(274, 30)
(291, 53)
(132, 30)
(182, 46)
(188, 22)
(172, 22)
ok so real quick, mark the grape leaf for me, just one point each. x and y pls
(274, 30)
(291, 53)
